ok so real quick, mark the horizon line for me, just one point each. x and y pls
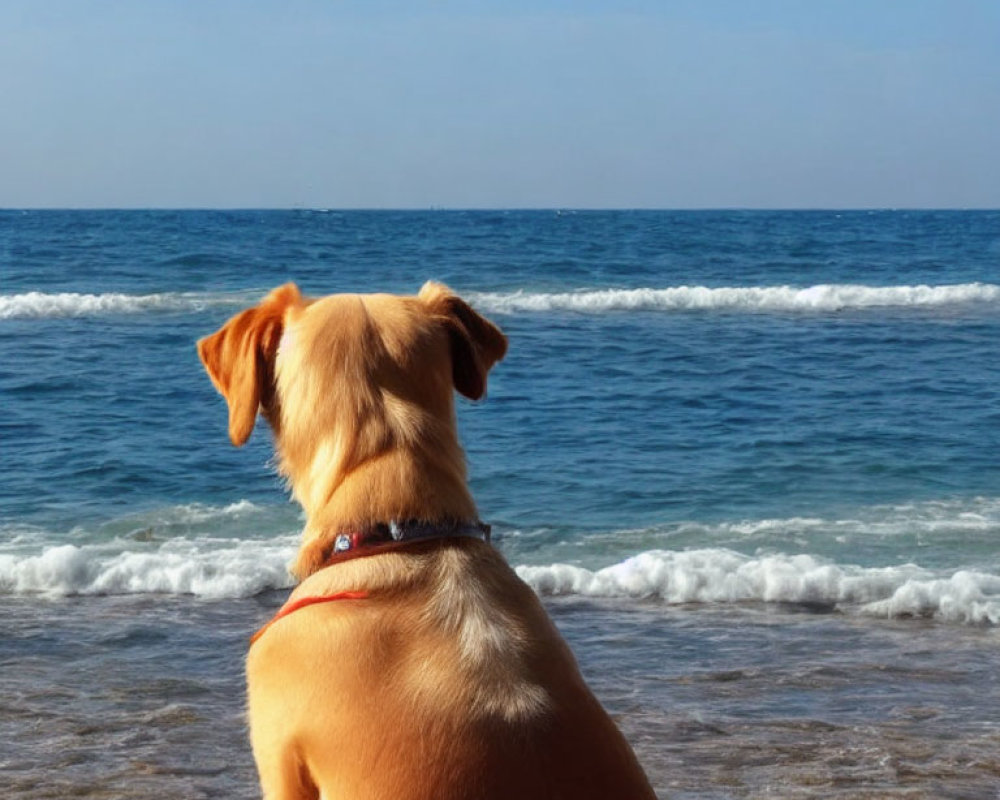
(460, 209)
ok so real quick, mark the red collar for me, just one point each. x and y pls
(392, 535)
(377, 539)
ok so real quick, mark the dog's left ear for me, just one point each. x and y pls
(476, 343)
(239, 358)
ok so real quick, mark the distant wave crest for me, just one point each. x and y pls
(723, 576)
(821, 298)
(71, 304)
(824, 298)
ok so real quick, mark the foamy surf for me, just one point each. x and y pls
(724, 576)
(213, 551)
(241, 548)
(216, 569)
(203, 568)
(821, 298)
(31, 305)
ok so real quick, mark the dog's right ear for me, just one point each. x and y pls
(476, 343)
(239, 358)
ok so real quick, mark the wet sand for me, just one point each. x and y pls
(133, 698)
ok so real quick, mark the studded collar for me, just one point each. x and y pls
(392, 535)
(377, 539)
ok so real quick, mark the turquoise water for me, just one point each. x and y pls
(750, 459)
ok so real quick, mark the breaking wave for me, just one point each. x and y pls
(236, 569)
(724, 576)
(236, 550)
(70, 304)
(241, 549)
(822, 298)
(202, 567)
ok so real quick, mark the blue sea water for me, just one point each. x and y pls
(751, 460)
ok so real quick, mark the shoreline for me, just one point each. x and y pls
(141, 697)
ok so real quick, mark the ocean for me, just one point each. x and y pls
(750, 461)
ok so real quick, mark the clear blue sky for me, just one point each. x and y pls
(549, 103)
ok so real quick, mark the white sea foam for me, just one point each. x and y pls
(202, 567)
(232, 550)
(724, 576)
(241, 548)
(72, 304)
(228, 569)
(822, 298)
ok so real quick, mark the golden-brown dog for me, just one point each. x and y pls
(412, 665)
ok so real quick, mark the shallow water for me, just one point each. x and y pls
(137, 698)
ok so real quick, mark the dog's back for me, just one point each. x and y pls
(447, 682)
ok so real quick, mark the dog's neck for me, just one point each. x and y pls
(366, 441)
(427, 485)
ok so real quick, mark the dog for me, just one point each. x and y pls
(410, 662)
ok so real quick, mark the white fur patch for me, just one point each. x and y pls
(491, 644)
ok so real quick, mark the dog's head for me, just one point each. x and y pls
(377, 365)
